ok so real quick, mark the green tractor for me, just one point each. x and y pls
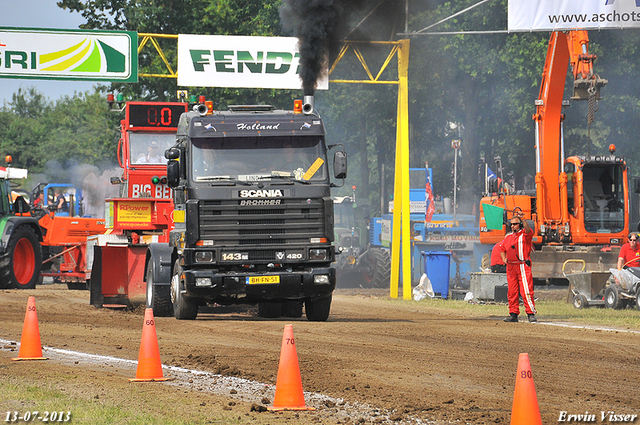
(20, 235)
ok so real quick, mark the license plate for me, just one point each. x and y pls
(262, 280)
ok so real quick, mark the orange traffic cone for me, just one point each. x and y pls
(525, 409)
(289, 394)
(30, 347)
(149, 366)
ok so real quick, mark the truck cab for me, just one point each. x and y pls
(253, 214)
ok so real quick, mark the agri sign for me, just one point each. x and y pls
(240, 61)
(69, 55)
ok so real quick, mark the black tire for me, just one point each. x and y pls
(377, 268)
(317, 309)
(184, 308)
(637, 300)
(612, 297)
(158, 297)
(292, 309)
(580, 301)
(270, 309)
(20, 264)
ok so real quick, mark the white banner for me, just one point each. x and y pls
(240, 61)
(556, 15)
(49, 54)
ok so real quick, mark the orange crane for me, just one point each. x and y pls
(580, 207)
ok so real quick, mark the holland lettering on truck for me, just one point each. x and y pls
(257, 126)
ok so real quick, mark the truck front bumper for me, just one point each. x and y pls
(311, 283)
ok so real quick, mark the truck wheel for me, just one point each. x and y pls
(184, 308)
(377, 266)
(292, 309)
(318, 309)
(158, 297)
(580, 301)
(612, 297)
(269, 310)
(20, 264)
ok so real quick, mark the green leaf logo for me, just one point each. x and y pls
(90, 55)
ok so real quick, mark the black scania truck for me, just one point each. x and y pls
(253, 214)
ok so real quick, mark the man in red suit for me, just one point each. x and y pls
(516, 250)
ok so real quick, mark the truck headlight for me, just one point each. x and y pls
(203, 281)
(318, 254)
(204, 256)
(321, 279)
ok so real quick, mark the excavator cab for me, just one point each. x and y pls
(603, 198)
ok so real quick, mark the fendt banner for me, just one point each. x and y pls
(50, 54)
(240, 62)
(556, 15)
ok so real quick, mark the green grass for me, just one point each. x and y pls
(133, 404)
(548, 310)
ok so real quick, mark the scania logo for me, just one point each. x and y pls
(261, 193)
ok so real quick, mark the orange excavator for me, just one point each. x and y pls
(580, 205)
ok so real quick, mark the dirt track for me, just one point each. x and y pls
(414, 359)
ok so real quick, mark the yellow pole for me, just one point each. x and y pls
(401, 204)
(397, 211)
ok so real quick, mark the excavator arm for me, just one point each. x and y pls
(565, 48)
(586, 83)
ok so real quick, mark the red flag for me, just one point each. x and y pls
(430, 204)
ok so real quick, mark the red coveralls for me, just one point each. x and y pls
(517, 247)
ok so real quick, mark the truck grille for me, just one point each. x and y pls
(293, 222)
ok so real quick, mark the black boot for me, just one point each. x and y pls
(532, 318)
(512, 318)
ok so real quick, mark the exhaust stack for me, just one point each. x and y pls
(307, 107)
(201, 109)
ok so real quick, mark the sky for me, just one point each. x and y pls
(39, 14)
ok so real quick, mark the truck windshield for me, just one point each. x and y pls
(148, 148)
(300, 158)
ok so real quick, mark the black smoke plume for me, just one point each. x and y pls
(322, 25)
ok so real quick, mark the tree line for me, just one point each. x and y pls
(486, 82)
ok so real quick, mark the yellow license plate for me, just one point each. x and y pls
(262, 280)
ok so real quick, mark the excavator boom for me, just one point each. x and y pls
(580, 207)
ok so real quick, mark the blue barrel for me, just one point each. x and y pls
(436, 266)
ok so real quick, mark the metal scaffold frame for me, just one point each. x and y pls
(400, 241)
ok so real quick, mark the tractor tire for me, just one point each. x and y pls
(184, 308)
(158, 297)
(637, 300)
(21, 262)
(318, 309)
(377, 266)
(612, 297)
